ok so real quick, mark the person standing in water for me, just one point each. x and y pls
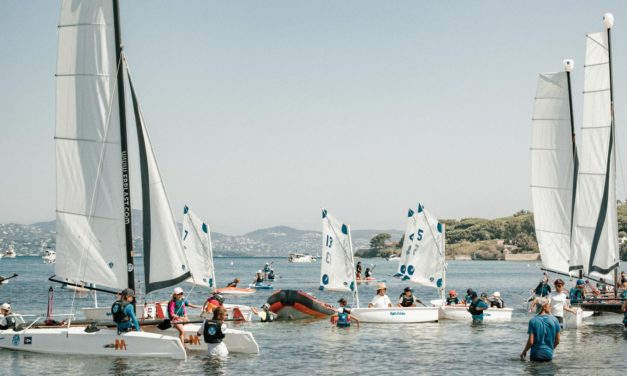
(213, 332)
(559, 302)
(476, 308)
(343, 316)
(544, 334)
(358, 270)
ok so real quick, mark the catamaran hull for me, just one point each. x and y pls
(399, 315)
(461, 313)
(105, 342)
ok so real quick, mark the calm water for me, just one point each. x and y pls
(315, 347)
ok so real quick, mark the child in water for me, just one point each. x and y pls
(213, 332)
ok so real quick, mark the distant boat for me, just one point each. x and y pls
(300, 257)
(10, 252)
(49, 257)
(393, 258)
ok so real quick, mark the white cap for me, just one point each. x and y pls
(259, 271)
(178, 290)
(5, 306)
(497, 294)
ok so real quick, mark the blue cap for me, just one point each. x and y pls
(580, 282)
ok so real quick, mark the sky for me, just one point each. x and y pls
(263, 112)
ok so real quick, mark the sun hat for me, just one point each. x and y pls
(128, 292)
(381, 286)
(452, 293)
(178, 290)
(497, 294)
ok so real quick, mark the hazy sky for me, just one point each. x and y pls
(262, 112)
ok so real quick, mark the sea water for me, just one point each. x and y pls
(316, 347)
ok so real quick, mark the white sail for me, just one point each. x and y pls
(595, 234)
(197, 246)
(425, 261)
(336, 269)
(552, 170)
(90, 218)
(165, 263)
(408, 241)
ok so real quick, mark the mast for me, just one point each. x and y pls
(568, 67)
(126, 185)
(608, 21)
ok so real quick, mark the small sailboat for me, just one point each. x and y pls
(49, 256)
(300, 258)
(337, 274)
(423, 262)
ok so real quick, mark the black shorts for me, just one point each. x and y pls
(560, 319)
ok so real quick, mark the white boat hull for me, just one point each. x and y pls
(149, 312)
(397, 315)
(460, 312)
(236, 341)
(105, 342)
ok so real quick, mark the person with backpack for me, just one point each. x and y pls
(476, 308)
(343, 317)
(213, 332)
(123, 312)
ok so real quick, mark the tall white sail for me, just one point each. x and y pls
(552, 170)
(197, 246)
(165, 263)
(336, 269)
(595, 234)
(425, 260)
(90, 216)
(408, 241)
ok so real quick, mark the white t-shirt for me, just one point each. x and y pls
(558, 301)
(380, 301)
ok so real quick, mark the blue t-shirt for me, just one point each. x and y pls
(179, 307)
(480, 304)
(544, 329)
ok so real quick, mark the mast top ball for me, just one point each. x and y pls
(569, 65)
(608, 20)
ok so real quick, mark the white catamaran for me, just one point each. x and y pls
(337, 274)
(93, 236)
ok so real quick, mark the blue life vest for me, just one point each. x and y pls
(575, 295)
(452, 300)
(343, 319)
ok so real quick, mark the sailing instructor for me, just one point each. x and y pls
(123, 312)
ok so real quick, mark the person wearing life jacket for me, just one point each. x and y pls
(271, 275)
(452, 298)
(265, 314)
(468, 297)
(476, 308)
(123, 312)
(543, 288)
(234, 283)
(343, 317)
(213, 301)
(258, 277)
(496, 300)
(213, 332)
(577, 293)
(6, 321)
(266, 268)
(177, 311)
(367, 273)
(407, 298)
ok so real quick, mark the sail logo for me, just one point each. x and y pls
(120, 344)
(397, 313)
(194, 340)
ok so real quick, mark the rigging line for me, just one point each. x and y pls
(83, 262)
